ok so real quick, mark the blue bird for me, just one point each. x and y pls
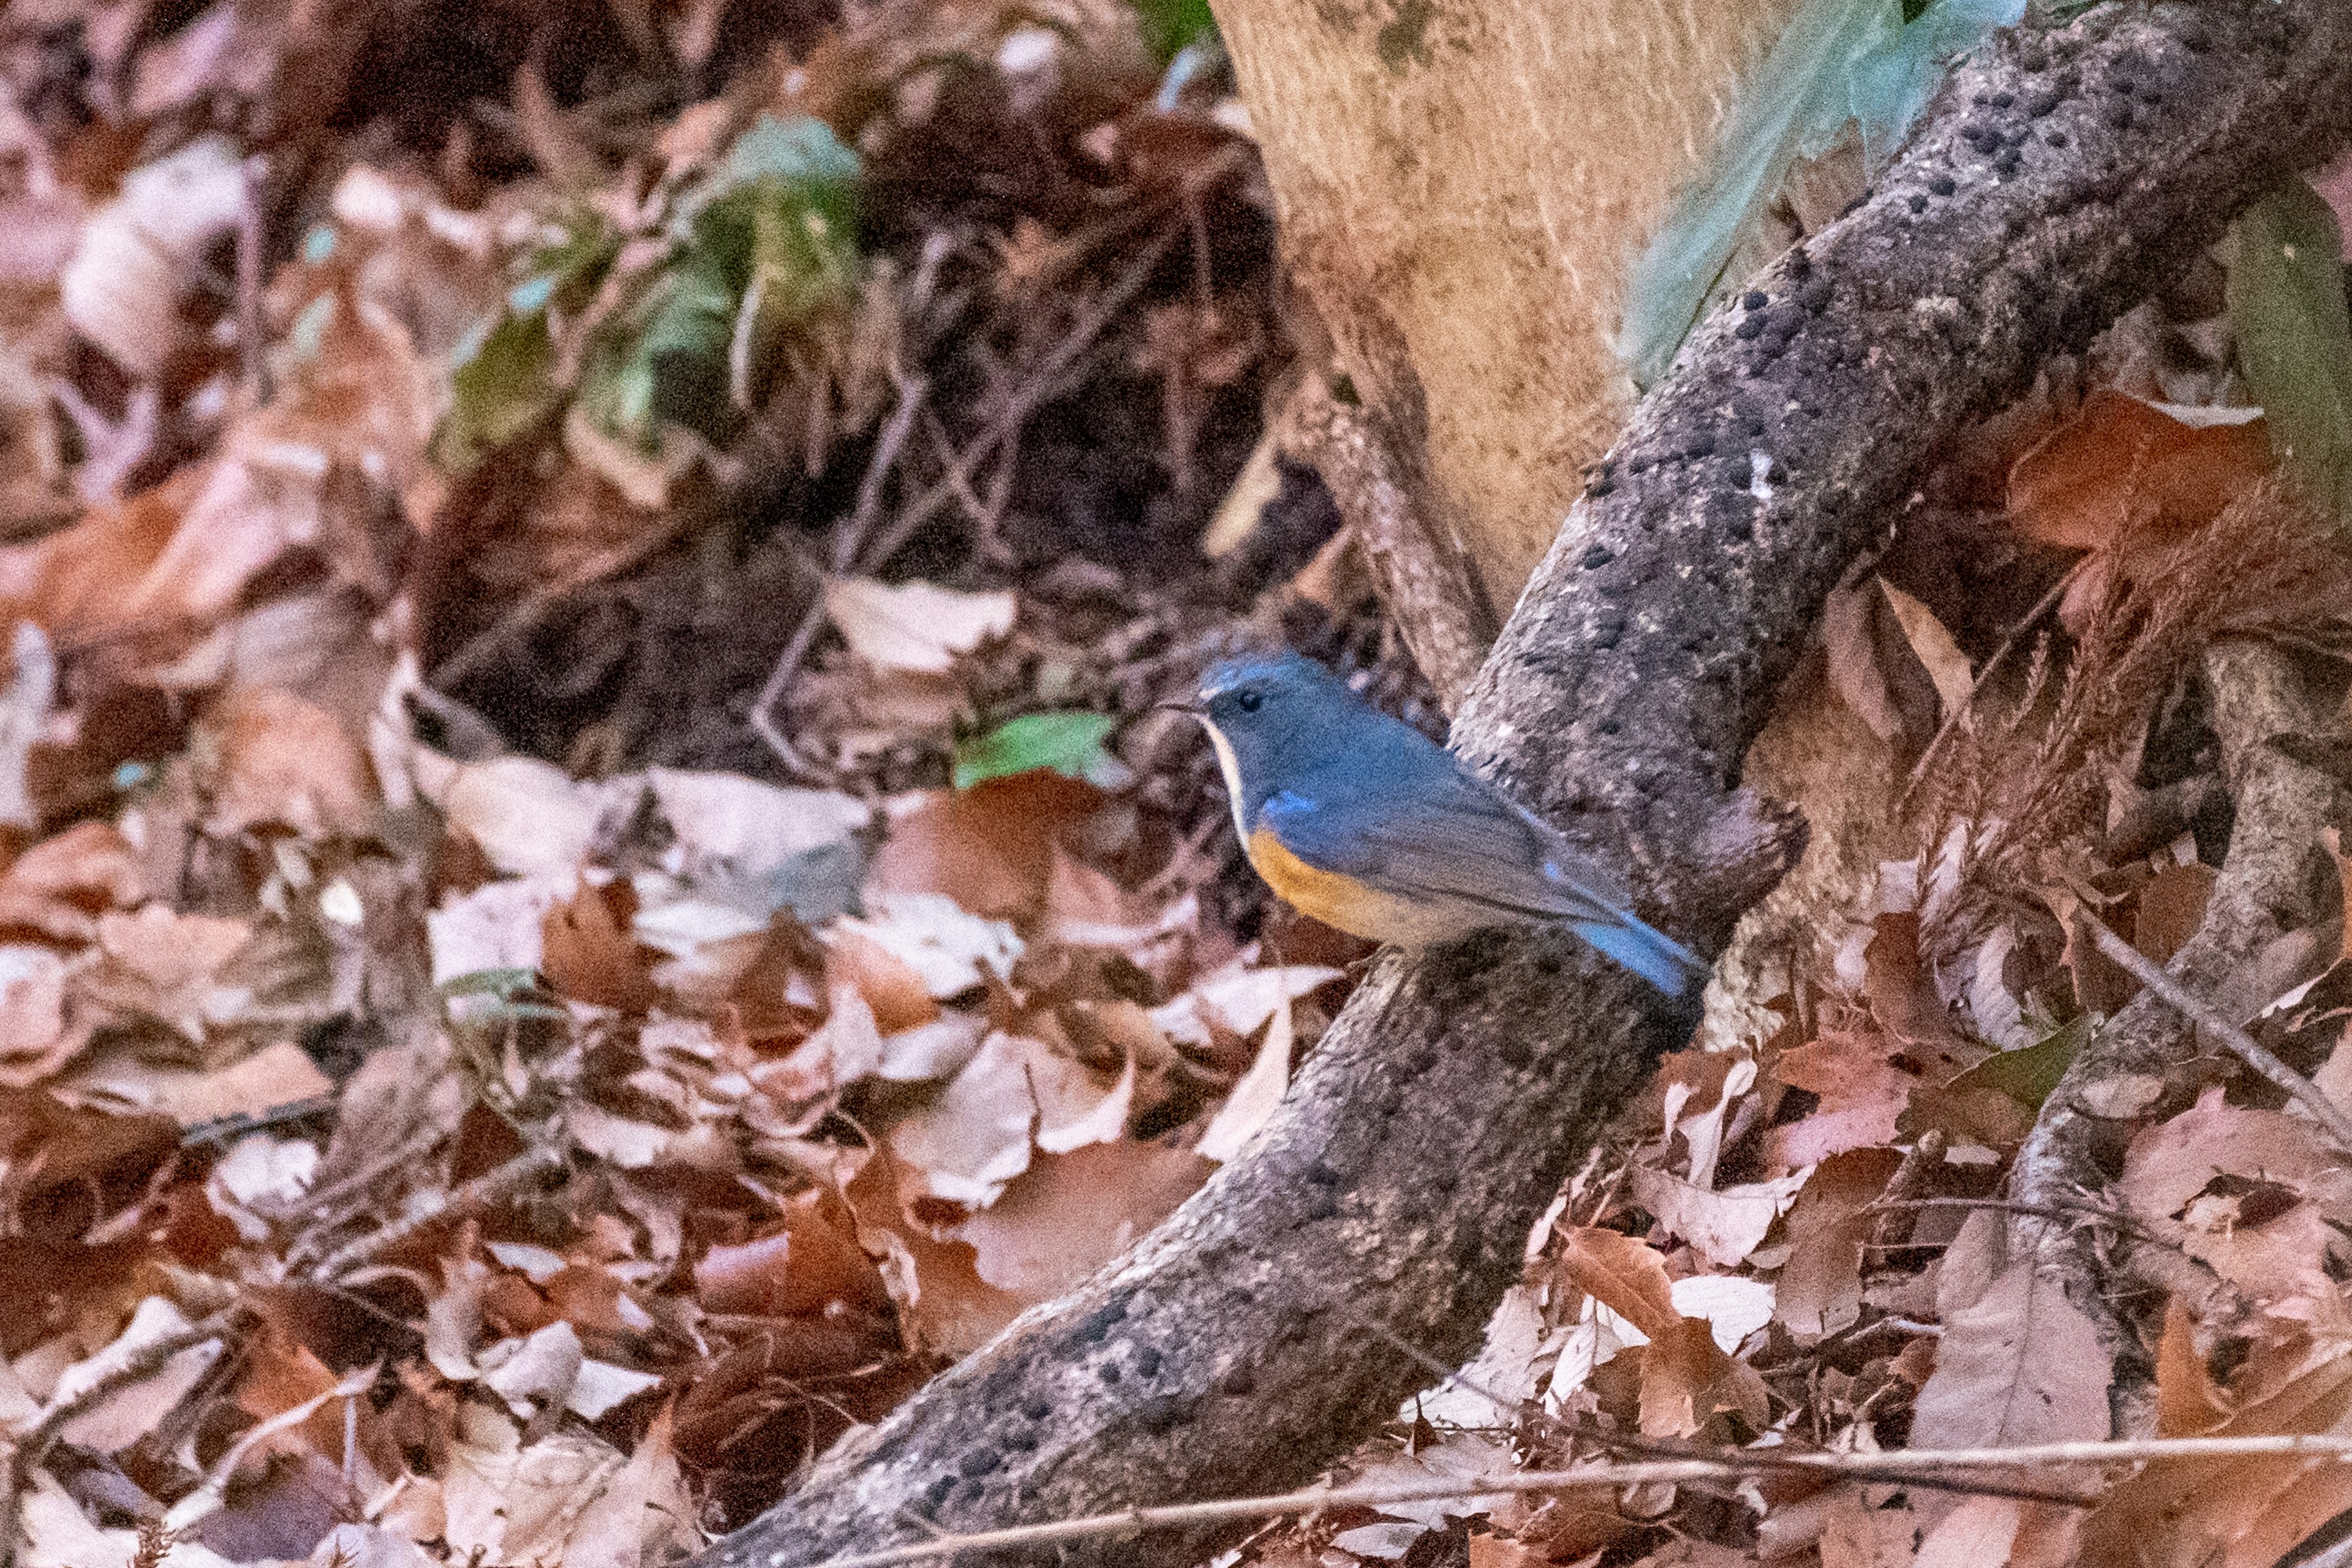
(1365, 823)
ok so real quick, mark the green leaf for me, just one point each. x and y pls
(760, 248)
(500, 983)
(2294, 340)
(502, 387)
(802, 155)
(1171, 26)
(1070, 744)
(2029, 1073)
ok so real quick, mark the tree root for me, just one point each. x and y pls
(2147, 1063)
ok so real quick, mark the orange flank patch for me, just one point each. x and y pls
(1331, 897)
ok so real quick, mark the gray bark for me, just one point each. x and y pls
(1229, 1352)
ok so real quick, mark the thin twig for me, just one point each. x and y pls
(1006, 423)
(321, 1201)
(2202, 1014)
(912, 390)
(252, 325)
(487, 1187)
(2062, 1213)
(772, 690)
(1570, 1429)
(1911, 1462)
(142, 1365)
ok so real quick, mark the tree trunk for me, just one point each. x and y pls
(1463, 186)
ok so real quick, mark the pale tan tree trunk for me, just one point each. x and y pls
(1463, 186)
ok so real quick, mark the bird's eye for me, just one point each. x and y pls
(1250, 701)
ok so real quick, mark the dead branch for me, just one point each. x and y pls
(2206, 1016)
(1906, 1464)
(1427, 584)
(1439, 1113)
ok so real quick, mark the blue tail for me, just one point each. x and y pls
(1651, 954)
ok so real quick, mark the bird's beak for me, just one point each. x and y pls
(1194, 709)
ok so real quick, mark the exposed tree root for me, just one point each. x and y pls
(2147, 1063)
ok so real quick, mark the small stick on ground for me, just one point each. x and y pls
(2202, 1012)
(1911, 1463)
(34, 1446)
(252, 327)
(487, 1187)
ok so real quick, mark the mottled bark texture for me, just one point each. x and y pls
(2061, 176)
(2277, 884)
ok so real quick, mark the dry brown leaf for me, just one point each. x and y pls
(1686, 1377)
(588, 951)
(1874, 669)
(35, 1042)
(1726, 1224)
(951, 949)
(139, 253)
(1068, 1215)
(1253, 1100)
(1979, 1533)
(1085, 907)
(890, 987)
(2020, 1364)
(2170, 908)
(279, 1074)
(2234, 1513)
(2123, 465)
(529, 817)
(1904, 999)
(497, 926)
(975, 1137)
(1855, 1534)
(1820, 1288)
(2254, 1194)
(1075, 1109)
(1237, 999)
(739, 835)
(504, 1498)
(1626, 1276)
(278, 760)
(2188, 1403)
(947, 1308)
(1938, 653)
(914, 626)
(1862, 1094)
(991, 847)
(171, 967)
(807, 1266)
(845, 1048)
(132, 1411)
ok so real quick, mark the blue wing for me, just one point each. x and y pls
(1441, 835)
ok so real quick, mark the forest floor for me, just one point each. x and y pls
(594, 888)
